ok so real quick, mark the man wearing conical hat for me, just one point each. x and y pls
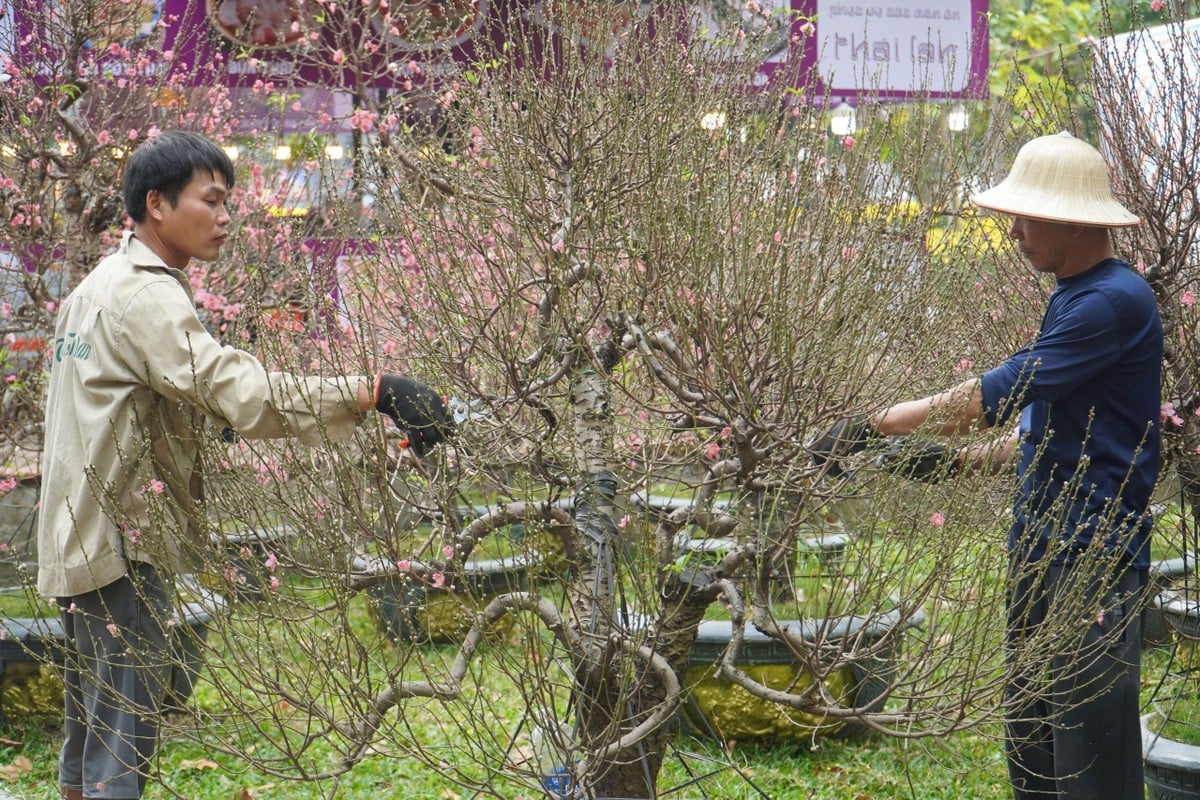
(1085, 395)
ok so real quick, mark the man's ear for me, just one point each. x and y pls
(156, 203)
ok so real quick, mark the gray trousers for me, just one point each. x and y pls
(1074, 733)
(118, 662)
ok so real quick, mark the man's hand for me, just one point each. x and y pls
(920, 460)
(416, 409)
(845, 437)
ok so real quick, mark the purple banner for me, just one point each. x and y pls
(889, 49)
(250, 40)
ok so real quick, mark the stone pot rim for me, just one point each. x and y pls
(1167, 752)
(1172, 567)
(1172, 602)
(267, 535)
(811, 630)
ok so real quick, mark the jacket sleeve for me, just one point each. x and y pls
(162, 340)
(1084, 340)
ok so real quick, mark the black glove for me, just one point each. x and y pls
(415, 408)
(845, 437)
(920, 460)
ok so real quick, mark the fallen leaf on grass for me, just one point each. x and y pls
(244, 794)
(199, 763)
(19, 766)
(6, 742)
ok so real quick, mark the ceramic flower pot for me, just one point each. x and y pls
(1156, 630)
(1172, 768)
(722, 709)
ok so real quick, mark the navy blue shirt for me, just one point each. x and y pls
(1088, 390)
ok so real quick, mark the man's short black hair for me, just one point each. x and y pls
(166, 164)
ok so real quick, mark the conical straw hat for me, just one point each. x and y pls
(1061, 179)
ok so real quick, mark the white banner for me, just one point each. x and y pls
(896, 46)
(7, 37)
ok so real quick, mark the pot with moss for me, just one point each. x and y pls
(716, 707)
(1171, 732)
(408, 608)
(31, 655)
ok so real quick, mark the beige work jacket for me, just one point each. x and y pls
(133, 374)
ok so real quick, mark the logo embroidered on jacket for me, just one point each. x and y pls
(71, 347)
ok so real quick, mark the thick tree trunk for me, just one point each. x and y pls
(607, 702)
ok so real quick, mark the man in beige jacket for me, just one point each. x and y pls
(133, 375)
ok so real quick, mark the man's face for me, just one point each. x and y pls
(198, 224)
(1046, 245)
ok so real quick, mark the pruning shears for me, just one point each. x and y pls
(465, 410)
(460, 411)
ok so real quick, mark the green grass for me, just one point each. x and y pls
(1182, 723)
(872, 768)
(968, 764)
(20, 604)
(965, 765)
(1176, 710)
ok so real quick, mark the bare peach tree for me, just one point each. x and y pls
(646, 288)
(1155, 151)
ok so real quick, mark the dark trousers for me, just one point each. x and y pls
(1072, 731)
(118, 660)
